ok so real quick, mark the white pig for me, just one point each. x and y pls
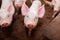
(33, 13)
(18, 3)
(56, 4)
(6, 13)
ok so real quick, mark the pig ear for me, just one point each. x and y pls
(41, 11)
(24, 0)
(24, 9)
(53, 2)
(11, 9)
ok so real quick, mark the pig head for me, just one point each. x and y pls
(55, 4)
(6, 15)
(19, 3)
(33, 13)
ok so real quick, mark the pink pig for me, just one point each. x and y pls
(33, 13)
(6, 13)
(19, 3)
(56, 4)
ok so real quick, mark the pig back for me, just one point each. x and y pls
(52, 31)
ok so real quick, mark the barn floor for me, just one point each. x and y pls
(17, 30)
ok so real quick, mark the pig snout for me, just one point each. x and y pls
(31, 26)
(4, 23)
(17, 4)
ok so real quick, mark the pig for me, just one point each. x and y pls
(32, 14)
(55, 4)
(18, 3)
(6, 13)
(52, 30)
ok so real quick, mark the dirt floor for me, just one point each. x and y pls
(17, 30)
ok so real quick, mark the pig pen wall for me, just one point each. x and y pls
(17, 30)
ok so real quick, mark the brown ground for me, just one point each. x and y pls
(17, 30)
